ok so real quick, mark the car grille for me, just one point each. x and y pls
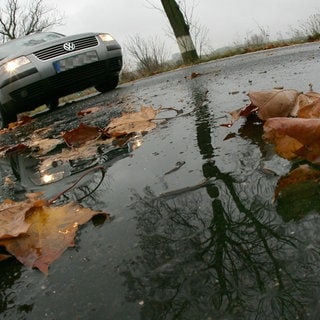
(58, 50)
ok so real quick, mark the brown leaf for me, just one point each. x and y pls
(81, 135)
(51, 232)
(242, 112)
(136, 122)
(22, 120)
(87, 150)
(4, 257)
(307, 98)
(297, 193)
(269, 104)
(294, 137)
(311, 110)
(43, 146)
(13, 150)
(194, 75)
(299, 175)
(12, 218)
(88, 111)
(274, 103)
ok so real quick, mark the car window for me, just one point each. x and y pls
(15, 45)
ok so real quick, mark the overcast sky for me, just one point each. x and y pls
(228, 21)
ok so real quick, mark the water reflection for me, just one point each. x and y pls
(216, 254)
(68, 179)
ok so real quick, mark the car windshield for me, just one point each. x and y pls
(15, 45)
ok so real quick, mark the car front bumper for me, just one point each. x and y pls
(33, 86)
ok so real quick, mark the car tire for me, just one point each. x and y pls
(53, 103)
(6, 117)
(110, 84)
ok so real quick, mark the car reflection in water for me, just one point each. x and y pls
(79, 177)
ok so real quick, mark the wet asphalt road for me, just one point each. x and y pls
(181, 204)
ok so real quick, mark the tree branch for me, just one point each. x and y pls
(16, 21)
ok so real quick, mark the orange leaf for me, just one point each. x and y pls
(311, 110)
(88, 111)
(294, 137)
(297, 193)
(4, 257)
(23, 120)
(12, 218)
(308, 98)
(299, 175)
(80, 135)
(51, 232)
(136, 122)
(43, 146)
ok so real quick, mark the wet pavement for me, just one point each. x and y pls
(195, 232)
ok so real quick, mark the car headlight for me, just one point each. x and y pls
(13, 65)
(49, 178)
(106, 37)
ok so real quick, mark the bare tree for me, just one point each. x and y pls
(150, 54)
(17, 20)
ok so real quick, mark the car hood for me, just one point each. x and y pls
(43, 45)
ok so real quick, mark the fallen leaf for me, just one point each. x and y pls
(307, 98)
(8, 182)
(297, 193)
(242, 112)
(22, 120)
(43, 146)
(51, 231)
(86, 151)
(294, 137)
(194, 75)
(269, 104)
(12, 218)
(274, 103)
(85, 142)
(136, 122)
(311, 110)
(12, 215)
(8, 150)
(80, 135)
(88, 111)
(4, 257)
(299, 175)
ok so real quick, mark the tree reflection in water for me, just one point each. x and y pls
(214, 253)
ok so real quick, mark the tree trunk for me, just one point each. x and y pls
(181, 31)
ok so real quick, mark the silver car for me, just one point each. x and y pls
(40, 68)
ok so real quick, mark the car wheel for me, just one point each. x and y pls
(6, 117)
(109, 84)
(53, 103)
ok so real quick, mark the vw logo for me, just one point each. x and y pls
(69, 46)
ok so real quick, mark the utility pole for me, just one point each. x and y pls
(180, 30)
